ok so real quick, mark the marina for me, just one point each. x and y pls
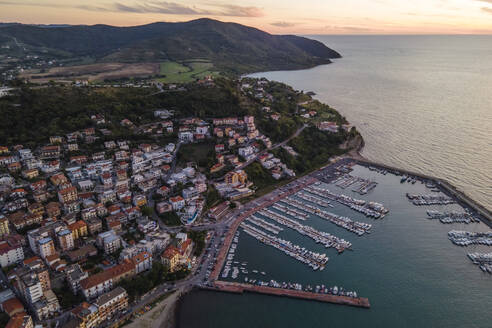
(358, 228)
(314, 260)
(326, 239)
(361, 186)
(390, 236)
(429, 199)
(290, 211)
(466, 238)
(275, 229)
(452, 217)
(483, 260)
(370, 209)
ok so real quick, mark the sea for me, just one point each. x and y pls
(422, 103)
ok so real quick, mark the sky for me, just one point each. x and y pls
(274, 16)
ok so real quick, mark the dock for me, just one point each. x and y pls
(240, 288)
(232, 231)
(451, 190)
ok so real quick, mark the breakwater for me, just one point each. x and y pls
(240, 288)
(461, 198)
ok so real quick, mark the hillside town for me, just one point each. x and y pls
(75, 224)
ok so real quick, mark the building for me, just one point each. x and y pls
(46, 247)
(94, 225)
(108, 241)
(82, 253)
(4, 226)
(111, 303)
(103, 282)
(78, 229)
(143, 262)
(68, 195)
(170, 258)
(20, 320)
(10, 253)
(235, 178)
(177, 202)
(74, 274)
(65, 240)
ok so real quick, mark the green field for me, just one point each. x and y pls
(173, 72)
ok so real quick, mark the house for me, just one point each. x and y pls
(163, 207)
(177, 202)
(78, 229)
(185, 136)
(48, 152)
(163, 191)
(328, 126)
(82, 253)
(4, 226)
(170, 258)
(143, 262)
(108, 241)
(10, 253)
(217, 167)
(30, 174)
(103, 282)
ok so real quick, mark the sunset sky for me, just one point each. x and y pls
(275, 16)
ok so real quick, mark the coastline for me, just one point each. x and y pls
(355, 154)
(462, 198)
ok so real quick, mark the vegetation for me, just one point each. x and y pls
(213, 197)
(229, 47)
(147, 211)
(174, 72)
(142, 283)
(259, 176)
(198, 238)
(4, 319)
(35, 114)
(314, 147)
(66, 298)
(201, 153)
(170, 219)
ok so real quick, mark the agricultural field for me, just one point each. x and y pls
(93, 72)
(173, 72)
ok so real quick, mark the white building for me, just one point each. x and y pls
(108, 241)
(10, 254)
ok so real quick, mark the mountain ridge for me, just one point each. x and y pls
(229, 46)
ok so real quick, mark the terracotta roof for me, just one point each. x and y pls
(170, 252)
(17, 321)
(77, 225)
(139, 258)
(12, 306)
(108, 274)
(68, 190)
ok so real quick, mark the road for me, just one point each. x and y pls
(280, 144)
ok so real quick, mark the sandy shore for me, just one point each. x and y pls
(161, 316)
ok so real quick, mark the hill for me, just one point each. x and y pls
(230, 47)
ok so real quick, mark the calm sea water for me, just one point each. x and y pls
(411, 273)
(422, 103)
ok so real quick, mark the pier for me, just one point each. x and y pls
(462, 198)
(240, 288)
(221, 257)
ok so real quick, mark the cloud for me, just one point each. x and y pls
(487, 10)
(240, 11)
(154, 7)
(283, 24)
(173, 8)
(349, 29)
(159, 7)
(486, 1)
